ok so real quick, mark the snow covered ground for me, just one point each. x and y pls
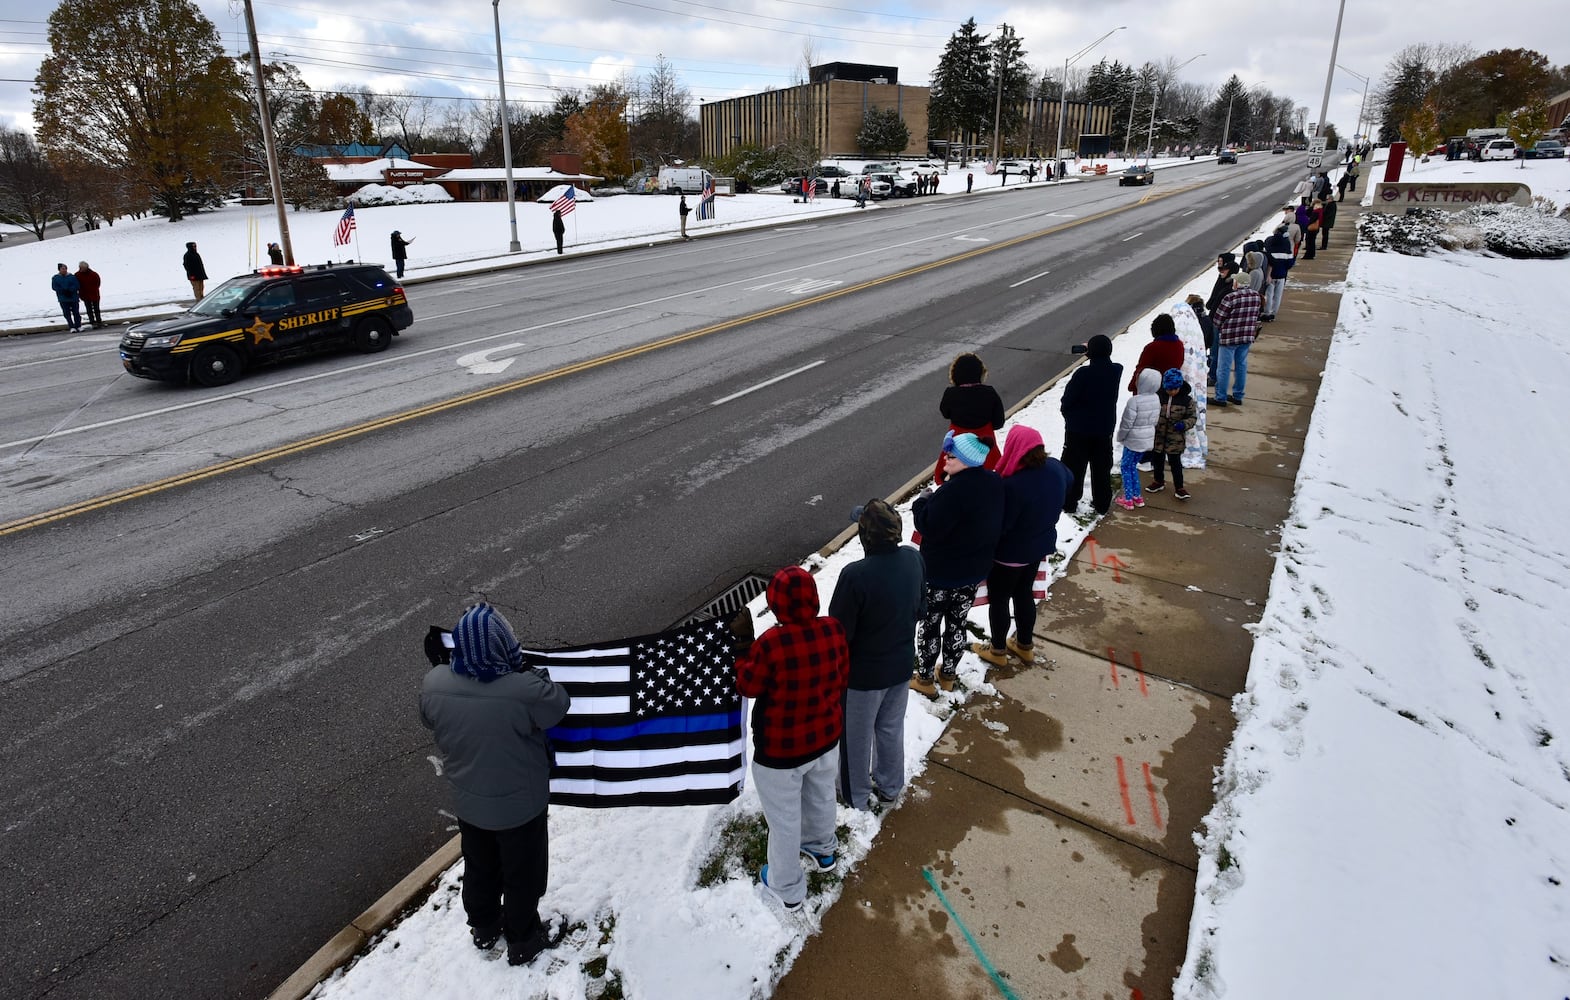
(140, 258)
(1393, 817)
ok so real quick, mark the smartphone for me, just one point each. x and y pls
(1077, 349)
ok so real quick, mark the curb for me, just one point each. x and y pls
(341, 949)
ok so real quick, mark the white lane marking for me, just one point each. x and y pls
(797, 286)
(1189, 212)
(1033, 277)
(481, 362)
(1134, 237)
(1225, 196)
(973, 239)
(50, 361)
(765, 385)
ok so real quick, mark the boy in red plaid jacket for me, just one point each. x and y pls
(795, 673)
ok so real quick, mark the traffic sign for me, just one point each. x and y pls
(1318, 144)
(1314, 159)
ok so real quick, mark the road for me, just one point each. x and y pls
(216, 597)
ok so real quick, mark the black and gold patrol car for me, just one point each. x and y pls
(270, 314)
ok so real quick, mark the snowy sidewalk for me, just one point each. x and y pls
(1050, 850)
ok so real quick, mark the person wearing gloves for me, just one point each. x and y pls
(1136, 433)
(795, 673)
(959, 523)
(1178, 413)
(878, 600)
(1033, 489)
(489, 713)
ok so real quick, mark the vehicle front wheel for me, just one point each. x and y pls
(372, 335)
(216, 365)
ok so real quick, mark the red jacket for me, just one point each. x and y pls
(90, 282)
(1161, 353)
(795, 674)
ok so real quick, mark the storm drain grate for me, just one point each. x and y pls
(737, 596)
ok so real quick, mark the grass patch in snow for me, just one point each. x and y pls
(743, 848)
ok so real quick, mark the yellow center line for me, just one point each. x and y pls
(479, 395)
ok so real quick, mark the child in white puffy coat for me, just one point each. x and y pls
(1137, 434)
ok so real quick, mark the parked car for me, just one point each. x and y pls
(880, 187)
(900, 185)
(1227, 156)
(792, 185)
(832, 170)
(1139, 173)
(1499, 149)
(1545, 149)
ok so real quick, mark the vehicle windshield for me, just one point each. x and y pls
(228, 295)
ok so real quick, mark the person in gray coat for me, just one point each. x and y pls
(878, 600)
(489, 714)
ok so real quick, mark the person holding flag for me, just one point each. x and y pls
(400, 252)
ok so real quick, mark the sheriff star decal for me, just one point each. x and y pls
(260, 331)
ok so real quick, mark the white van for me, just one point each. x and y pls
(684, 180)
(1499, 149)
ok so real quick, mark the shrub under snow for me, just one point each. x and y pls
(1507, 230)
(382, 194)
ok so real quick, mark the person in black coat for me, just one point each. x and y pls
(971, 406)
(1226, 267)
(1327, 221)
(558, 227)
(1090, 414)
(1207, 328)
(195, 272)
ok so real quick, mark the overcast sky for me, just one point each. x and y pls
(722, 48)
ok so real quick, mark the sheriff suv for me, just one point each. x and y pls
(267, 315)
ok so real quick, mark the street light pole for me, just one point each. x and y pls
(1150, 137)
(1226, 130)
(501, 87)
(1063, 89)
(1357, 134)
(1128, 133)
(1330, 74)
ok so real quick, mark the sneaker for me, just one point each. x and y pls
(1124, 503)
(947, 681)
(820, 862)
(882, 796)
(485, 938)
(1216, 402)
(525, 951)
(1139, 501)
(1025, 653)
(1156, 487)
(1181, 493)
(1235, 400)
(924, 685)
(763, 880)
(996, 657)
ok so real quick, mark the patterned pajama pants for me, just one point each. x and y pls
(943, 629)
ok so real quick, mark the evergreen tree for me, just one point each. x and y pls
(882, 131)
(960, 103)
(1008, 61)
(144, 86)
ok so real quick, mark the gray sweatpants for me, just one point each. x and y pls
(872, 751)
(798, 803)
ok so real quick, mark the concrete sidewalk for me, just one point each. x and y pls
(1048, 849)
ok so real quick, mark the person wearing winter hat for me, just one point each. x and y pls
(795, 673)
(1033, 489)
(959, 524)
(1136, 433)
(971, 406)
(489, 712)
(1237, 325)
(1090, 413)
(878, 600)
(1163, 351)
(1178, 413)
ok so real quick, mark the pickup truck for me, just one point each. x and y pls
(900, 185)
(880, 186)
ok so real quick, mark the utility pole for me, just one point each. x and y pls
(501, 87)
(1128, 133)
(274, 176)
(1330, 74)
(1063, 90)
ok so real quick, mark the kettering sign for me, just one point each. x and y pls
(1399, 196)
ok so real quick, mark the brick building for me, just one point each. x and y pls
(830, 108)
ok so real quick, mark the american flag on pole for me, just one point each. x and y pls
(345, 228)
(809, 187)
(706, 199)
(655, 721)
(567, 202)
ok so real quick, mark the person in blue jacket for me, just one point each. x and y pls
(68, 292)
(1033, 489)
(959, 524)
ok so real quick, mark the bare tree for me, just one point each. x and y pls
(30, 187)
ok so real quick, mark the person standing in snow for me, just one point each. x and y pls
(195, 270)
(1034, 485)
(1178, 413)
(489, 713)
(1208, 330)
(1237, 325)
(878, 600)
(795, 673)
(1327, 221)
(68, 292)
(1136, 433)
(92, 285)
(971, 406)
(1090, 413)
(959, 526)
(681, 213)
(1163, 351)
(558, 228)
(275, 253)
(400, 250)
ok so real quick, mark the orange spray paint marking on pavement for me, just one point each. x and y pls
(1112, 660)
(1136, 994)
(1090, 542)
(1139, 666)
(1150, 786)
(1116, 564)
(1128, 806)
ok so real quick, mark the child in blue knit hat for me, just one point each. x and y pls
(1176, 416)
